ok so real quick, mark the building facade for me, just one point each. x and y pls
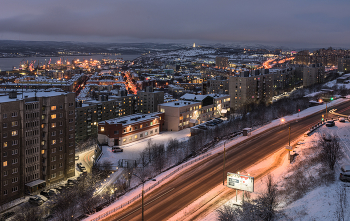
(37, 141)
(128, 129)
(148, 100)
(193, 109)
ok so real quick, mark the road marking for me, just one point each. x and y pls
(146, 204)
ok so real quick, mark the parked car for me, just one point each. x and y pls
(76, 157)
(35, 200)
(82, 169)
(72, 181)
(342, 119)
(117, 149)
(43, 198)
(46, 193)
(330, 123)
(345, 168)
(345, 177)
(54, 191)
(79, 165)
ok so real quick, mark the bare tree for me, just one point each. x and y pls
(64, 205)
(28, 213)
(331, 151)
(228, 213)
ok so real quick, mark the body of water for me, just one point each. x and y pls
(7, 64)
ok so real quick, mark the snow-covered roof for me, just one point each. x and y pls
(197, 97)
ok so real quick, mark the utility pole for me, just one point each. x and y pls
(289, 145)
(223, 174)
(326, 111)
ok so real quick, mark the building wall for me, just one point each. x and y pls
(148, 101)
(120, 133)
(37, 141)
(313, 74)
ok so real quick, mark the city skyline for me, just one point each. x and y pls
(312, 23)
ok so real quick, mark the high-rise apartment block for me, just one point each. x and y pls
(221, 62)
(344, 64)
(37, 141)
(148, 100)
(313, 74)
(217, 85)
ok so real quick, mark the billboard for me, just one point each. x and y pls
(240, 182)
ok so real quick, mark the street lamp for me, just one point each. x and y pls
(143, 185)
(223, 175)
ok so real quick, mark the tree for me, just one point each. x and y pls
(330, 151)
(28, 213)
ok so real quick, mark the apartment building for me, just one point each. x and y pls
(221, 62)
(246, 89)
(37, 141)
(89, 113)
(313, 74)
(217, 85)
(148, 100)
(193, 109)
(128, 129)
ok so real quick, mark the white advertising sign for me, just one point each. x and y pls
(240, 182)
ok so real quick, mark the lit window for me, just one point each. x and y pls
(4, 163)
(53, 141)
(53, 108)
(5, 144)
(42, 151)
(102, 129)
(53, 125)
(135, 136)
(14, 133)
(53, 116)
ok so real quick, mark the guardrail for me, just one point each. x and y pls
(313, 128)
(107, 213)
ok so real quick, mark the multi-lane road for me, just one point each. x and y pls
(167, 200)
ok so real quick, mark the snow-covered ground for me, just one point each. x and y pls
(132, 151)
(318, 204)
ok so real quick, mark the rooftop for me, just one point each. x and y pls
(131, 119)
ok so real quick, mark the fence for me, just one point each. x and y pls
(149, 188)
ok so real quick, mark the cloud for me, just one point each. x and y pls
(267, 21)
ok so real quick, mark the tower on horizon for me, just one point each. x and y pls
(194, 45)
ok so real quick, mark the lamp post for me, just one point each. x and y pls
(143, 185)
(289, 144)
(223, 174)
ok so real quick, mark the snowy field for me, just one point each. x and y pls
(321, 203)
(132, 151)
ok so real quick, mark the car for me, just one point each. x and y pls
(342, 119)
(73, 181)
(345, 177)
(46, 193)
(83, 170)
(54, 191)
(76, 157)
(43, 198)
(36, 200)
(79, 165)
(345, 168)
(117, 149)
(330, 123)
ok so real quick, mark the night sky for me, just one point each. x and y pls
(290, 22)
